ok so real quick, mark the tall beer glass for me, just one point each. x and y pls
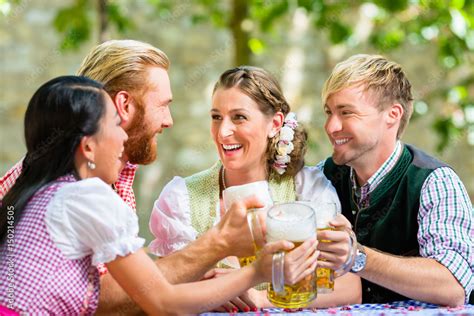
(325, 212)
(261, 190)
(294, 222)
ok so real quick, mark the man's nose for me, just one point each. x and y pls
(333, 124)
(168, 119)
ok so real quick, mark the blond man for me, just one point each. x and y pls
(135, 75)
(410, 212)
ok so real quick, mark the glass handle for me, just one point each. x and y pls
(255, 229)
(352, 253)
(278, 276)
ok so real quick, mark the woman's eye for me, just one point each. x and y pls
(239, 117)
(215, 117)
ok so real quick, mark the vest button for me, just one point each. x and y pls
(368, 289)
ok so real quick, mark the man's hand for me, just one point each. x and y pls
(234, 234)
(339, 250)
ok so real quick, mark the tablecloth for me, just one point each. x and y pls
(396, 308)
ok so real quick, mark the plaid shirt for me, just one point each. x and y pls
(44, 281)
(445, 218)
(123, 187)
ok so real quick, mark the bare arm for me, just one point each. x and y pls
(186, 265)
(413, 277)
(230, 237)
(146, 285)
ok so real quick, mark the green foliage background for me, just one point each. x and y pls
(297, 40)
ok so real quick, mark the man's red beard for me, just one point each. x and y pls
(141, 144)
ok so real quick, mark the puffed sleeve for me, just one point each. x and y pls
(88, 218)
(312, 185)
(170, 220)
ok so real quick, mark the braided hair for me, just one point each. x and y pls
(265, 90)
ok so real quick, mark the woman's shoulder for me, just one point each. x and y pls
(85, 195)
(201, 176)
(310, 180)
(89, 185)
(311, 174)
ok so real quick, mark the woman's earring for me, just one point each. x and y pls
(271, 135)
(91, 165)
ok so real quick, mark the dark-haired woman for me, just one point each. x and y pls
(257, 138)
(62, 218)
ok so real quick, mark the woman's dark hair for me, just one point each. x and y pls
(60, 113)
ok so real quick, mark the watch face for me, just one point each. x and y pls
(359, 263)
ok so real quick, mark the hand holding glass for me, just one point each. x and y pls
(261, 190)
(294, 222)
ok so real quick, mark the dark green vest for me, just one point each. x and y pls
(390, 222)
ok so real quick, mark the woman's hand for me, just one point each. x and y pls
(299, 262)
(242, 303)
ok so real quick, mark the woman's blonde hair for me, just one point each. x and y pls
(384, 78)
(265, 90)
(122, 64)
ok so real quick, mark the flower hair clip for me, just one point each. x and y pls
(284, 145)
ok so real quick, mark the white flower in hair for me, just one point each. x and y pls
(284, 148)
(283, 159)
(287, 133)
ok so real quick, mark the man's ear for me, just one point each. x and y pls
(394, 114)
(277, 123)
(87, 147)
(123, 102)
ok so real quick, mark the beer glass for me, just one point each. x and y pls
(261, 190)
(294, 222)
(325, 212)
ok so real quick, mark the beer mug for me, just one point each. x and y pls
(325, 212)
(294, 222)
(261, 190)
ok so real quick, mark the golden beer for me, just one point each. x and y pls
(325, 212)
(293, 222)
(297, 295)
(257, 237)
(325, 276)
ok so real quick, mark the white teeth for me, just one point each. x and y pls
(341, 141)
(231, 147)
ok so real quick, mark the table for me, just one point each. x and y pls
(396, 308)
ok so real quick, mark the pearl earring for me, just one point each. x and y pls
(91, 165)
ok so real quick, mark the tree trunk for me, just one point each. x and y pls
(242, 53)
(103, 21)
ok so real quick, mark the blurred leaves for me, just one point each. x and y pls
(446, 25)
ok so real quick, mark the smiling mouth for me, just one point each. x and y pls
(232, 147)
(341, 141)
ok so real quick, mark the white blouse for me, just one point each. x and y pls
(170, 220)
(88, 218)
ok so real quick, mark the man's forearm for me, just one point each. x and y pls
(190, 263)
(113, 300)
(421, 279)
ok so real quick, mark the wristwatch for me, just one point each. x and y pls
(360, 259)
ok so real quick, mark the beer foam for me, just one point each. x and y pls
(324, 214)
(291, 222)
(236, 193)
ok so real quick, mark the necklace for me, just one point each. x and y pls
(223, 178)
